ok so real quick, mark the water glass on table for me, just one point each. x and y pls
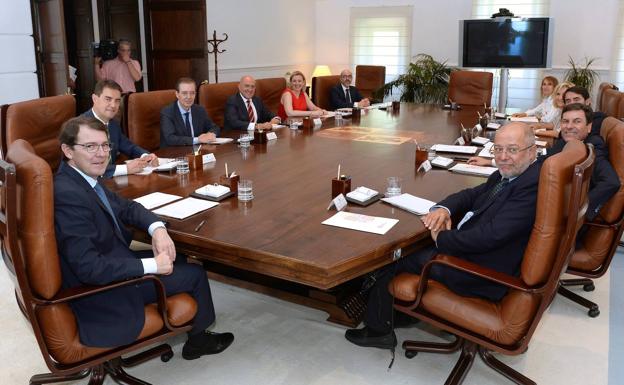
(182, 166)
(245, 190)
(394, 186)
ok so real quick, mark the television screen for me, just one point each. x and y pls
(519, 43)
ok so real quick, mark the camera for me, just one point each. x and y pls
(106, 49)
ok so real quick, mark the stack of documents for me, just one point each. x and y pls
(455, 149)
(360, 222)
(525, 119)
(213, 190)
(408, 202)
(221, 140)
(480, 140)
(470, 169)
(440, 161)
(185, 208)
(156, 199)
(485, 153)
(362, 194)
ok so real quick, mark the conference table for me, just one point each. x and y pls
(276, 243)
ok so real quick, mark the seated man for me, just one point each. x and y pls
(184, 123)
(578, 94)
(497, 219)
(245, 111)
(343, 95)
(106, 100)
(93, 243)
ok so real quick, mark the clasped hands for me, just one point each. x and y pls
(164, 251)
(138, 164)
(437, 220)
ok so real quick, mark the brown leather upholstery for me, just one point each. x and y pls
(369, 79)
(611, 101)
(601, 89)
(320, 90)
(270, 90)
(507, 326)
(470, 87)
(37, 269)
(213, 98)
(143, 117)
(39, 122)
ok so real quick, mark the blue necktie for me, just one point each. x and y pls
(100, 192)
(187, 123)
(498, 187)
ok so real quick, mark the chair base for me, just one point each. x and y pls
(112, 368)
(469, 351)
(588, 285)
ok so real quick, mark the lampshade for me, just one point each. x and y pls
(321, 70)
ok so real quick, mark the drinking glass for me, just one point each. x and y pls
(245, 190)
(394, 186)
(183, 165)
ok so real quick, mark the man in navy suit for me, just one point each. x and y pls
(184, 123)
(93, 242)
(343, 95)
(245, 111)
(106, 100)
(495, 220)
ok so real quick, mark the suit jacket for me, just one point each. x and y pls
(94, 252)
(337, 98)
(173, 132)
(597, 122)
(236, 117)
(604, 181)
(495, 236)
(120, 143)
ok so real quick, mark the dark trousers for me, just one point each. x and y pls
(186, 278)
(379, 309)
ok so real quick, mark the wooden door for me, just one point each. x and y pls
(79, 26)
(175, 42)
(50, 46)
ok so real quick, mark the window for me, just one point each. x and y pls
(381, 36)
(618, 65)
(524, 84)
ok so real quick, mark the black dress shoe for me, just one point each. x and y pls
(367, 337)
(213, 343)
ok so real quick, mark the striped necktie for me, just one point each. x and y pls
(250, 113)
(498, 187)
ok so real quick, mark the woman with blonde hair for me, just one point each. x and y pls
(295, 102)
(549, 124)
(547, 89)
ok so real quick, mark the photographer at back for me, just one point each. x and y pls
(123, 70)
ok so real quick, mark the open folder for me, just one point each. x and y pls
(408, 202)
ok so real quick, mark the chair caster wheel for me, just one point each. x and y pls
(595, 312)
(165, 357)
(589, 287)
(411, 353)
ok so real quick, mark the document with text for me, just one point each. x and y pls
(411, 203)
(156, 199)
(360, 222)
(185, 208)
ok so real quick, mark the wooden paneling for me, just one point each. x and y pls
(79, 26)
(49, 25)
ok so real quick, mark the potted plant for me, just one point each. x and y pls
(581, 75)
(426, 81)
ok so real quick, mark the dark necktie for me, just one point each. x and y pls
(498, 187)
(250, 112)
(187, 123)
(348, 96)
(100, 193)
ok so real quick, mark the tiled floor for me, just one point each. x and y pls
(281, 343)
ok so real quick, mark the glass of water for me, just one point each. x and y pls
(183, 165)
(245, 190)
(394, 186)
(244, 140)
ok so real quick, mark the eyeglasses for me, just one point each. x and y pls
(92, 147)
(497, 150)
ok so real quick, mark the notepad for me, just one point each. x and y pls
(221, 140)
(440, 161)
(185, 208)
(362, 194)
(456, 149)
(493, 126)
(480, 140)
(213, 190)
(525, 119)
(470, 169)
(408, 202)
(485, 153)
(156, 199)
(360, 222)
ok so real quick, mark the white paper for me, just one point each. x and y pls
(493, 126)
(213, 190)
(456, 149)
(164, 164)
(277, 126)
(339, 202)
(480, 140)
(317, 121)
(500, 115)
(525, 119)
(329, 114)
(424, 166)
(541, 143)
(408, 202)
(359, 222)
(362, 194)
(441, 161)
(460, 141)
(271, 136)
(185, 208)
(471, 169)
(208, 158)
(156, 199)
(485, 153)
(221, 140)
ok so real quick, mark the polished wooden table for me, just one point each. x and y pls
(278, 235)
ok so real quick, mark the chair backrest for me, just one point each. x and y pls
(369, 79)
(213, 97)
(270, 91)
(611, 101)
(39, 122)
(470, 87)
(601, 89)
(320, 90)
(143, 117)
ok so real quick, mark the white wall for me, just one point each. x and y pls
(18, 80)
(266, 38)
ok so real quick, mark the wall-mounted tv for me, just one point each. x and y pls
(505, 42)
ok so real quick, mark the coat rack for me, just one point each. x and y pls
(214, 42)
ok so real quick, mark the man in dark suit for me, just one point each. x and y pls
(184, 123)
(93, 243)
(494, 225)
(343, 95)
(576, 123)
(578, 94)
(245, 111)
(106, 100)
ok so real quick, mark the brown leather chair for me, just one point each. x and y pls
(603, 86)
(213, 97)
(142, 115)
(30, 252)
(507, 326)
(472, 88)
(270, 90)
(369, 79)
(610, 102)
(600, 242)
(39, 122)
(320, 90)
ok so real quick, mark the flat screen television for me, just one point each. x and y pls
(505, 42)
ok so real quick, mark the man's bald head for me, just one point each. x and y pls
(247, 86)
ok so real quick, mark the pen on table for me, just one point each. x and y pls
(198, 148)
(338, 176)
(233, 174)
(479, 114)
(226, 171)
(199, 226)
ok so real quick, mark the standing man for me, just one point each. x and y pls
(123, 70)
(93, 243)
(497, 221)
(106, 100)
(184, 123)
(343, 95)
(245, 111)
